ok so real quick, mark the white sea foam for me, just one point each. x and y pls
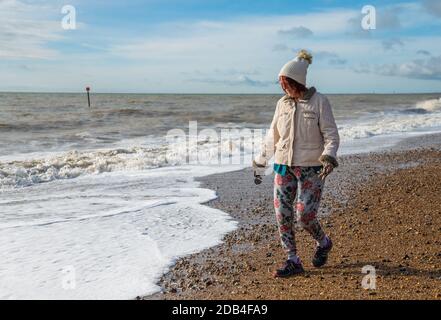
(105, 232)
(394, 122)
(146, 155)
(430, 105)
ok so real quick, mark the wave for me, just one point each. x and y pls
(76, 163)
(389, 125)
(41, 126)
(415, 111)
(424, 115)
(136, 155)
(422, 107)
(430, 105)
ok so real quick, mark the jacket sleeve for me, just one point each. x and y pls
(268, 146)
(328, 129)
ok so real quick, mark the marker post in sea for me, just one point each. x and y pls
(88, 95)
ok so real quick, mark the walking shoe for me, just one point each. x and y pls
(321, 255)
(290, 268)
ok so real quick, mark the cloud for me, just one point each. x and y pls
(426, 69)
(433, 7)
(297, 32)
(24, 32)
(322, 55)
(355, 29)
(331, 57)
(225, 51)
(391, 44)
(423, 69)
(280, 47)
(229, 38)
(338, 62)
(241, 80)
(224, 72)
(25, 67)
(362, 68)
(423, 52)
(236, 72)
(389, 18)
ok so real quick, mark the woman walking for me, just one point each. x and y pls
(303, 138)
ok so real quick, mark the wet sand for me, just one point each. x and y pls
(381, 209)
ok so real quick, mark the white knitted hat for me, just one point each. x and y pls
(298, 68)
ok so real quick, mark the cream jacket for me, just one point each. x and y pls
(301, 133)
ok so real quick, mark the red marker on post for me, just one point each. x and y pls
(88, 95)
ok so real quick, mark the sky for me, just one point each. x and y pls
(218, 46)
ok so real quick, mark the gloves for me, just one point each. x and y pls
(329, 163)
(259, 171)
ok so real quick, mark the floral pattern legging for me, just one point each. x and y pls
(303, 187)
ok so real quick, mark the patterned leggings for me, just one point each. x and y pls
(302, 186)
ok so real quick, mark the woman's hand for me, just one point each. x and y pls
(259, 171)
(327, 169)
(329, 163)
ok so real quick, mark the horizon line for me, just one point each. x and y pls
(211, 93)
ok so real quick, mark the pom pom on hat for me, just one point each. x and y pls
(305, 55)
(297, 69)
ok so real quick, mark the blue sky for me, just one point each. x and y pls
(218, 46)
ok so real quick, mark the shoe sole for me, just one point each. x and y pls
(320, 265)
(288, 276)
(326, 260)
